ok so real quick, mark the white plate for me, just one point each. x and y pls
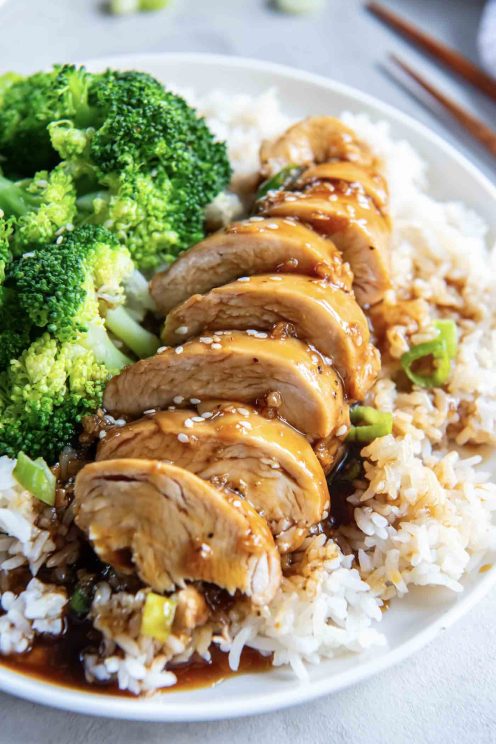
(411, 622)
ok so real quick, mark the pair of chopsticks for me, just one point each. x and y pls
(453, 61)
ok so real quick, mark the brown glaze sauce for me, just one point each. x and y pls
(59, 662)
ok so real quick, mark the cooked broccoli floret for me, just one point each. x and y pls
(41, 206)
(154, 164)
(144, 163)
(14, 323)
(28, 105)
(44, 395)
(76, 284)
(72, 289)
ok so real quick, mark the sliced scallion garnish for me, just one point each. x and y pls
(281, 179)
(158, 616)
(368, 424)
(441, 350)
(36, 477)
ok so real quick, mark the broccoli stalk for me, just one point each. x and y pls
(15, 200)
(121, 324)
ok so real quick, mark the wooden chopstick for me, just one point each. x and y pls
(473, 125)
(450, 58)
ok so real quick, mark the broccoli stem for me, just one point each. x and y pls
(138, 339)
(104, 350)
(14, 200)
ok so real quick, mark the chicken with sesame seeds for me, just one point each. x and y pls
(239, 367)
(266, 348)
(254, 246)
(324, 315)
(169, 526)
(338, 191)
(270, 464)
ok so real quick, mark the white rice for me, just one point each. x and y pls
(423, 512)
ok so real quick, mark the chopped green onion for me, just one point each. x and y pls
(298, 6)
(369, 424)
(158, 616)
(80, 601)
(442, 349)
(448, 333)
(279, 180)
(124, 7)
(36, 477)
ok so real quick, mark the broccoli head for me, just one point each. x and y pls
(77, 285)
(28, 105)
(44, 395)
(14, 323)
(144, 164)
(40, 206)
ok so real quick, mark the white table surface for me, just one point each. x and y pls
(447, 692)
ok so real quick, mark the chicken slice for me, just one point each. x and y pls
(322, 315)
(255, 246)
(268, 462)
(238, 366)
(170, 526)
(356, 176)
(354, 224)
(317, 139)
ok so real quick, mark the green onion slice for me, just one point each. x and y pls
(279, 180)
(442, 349)
(448, 333)
(80, 601)
(369, 424)
(36, 477)
(158, 616)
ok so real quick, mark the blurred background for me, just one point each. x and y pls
(339, 39)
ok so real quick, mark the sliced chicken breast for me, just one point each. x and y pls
(322, 315)
(307, 392)
(254, 246)
(352, 221)
(317, 139)
(169, 526)
(356, 176)
(268, 462)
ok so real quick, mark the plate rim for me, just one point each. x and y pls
(153, 709)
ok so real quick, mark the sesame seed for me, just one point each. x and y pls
(273, 226)
(205, 340)
(178, 399)
(198, 419)
(245, 424)
(244, 279)
(216, 338)
(162, 349)
(256, 219)
(275, 466)
(195, 401)
(120, 422)
(59, 240)
(149, 410)
(182, 330)
(342, 430)
(188, 423)
(171, 408)
(207, 415)
(102, 434)
(243, 411)
(183, 438)
(216, 346)
(179, 350)
(276, 278)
